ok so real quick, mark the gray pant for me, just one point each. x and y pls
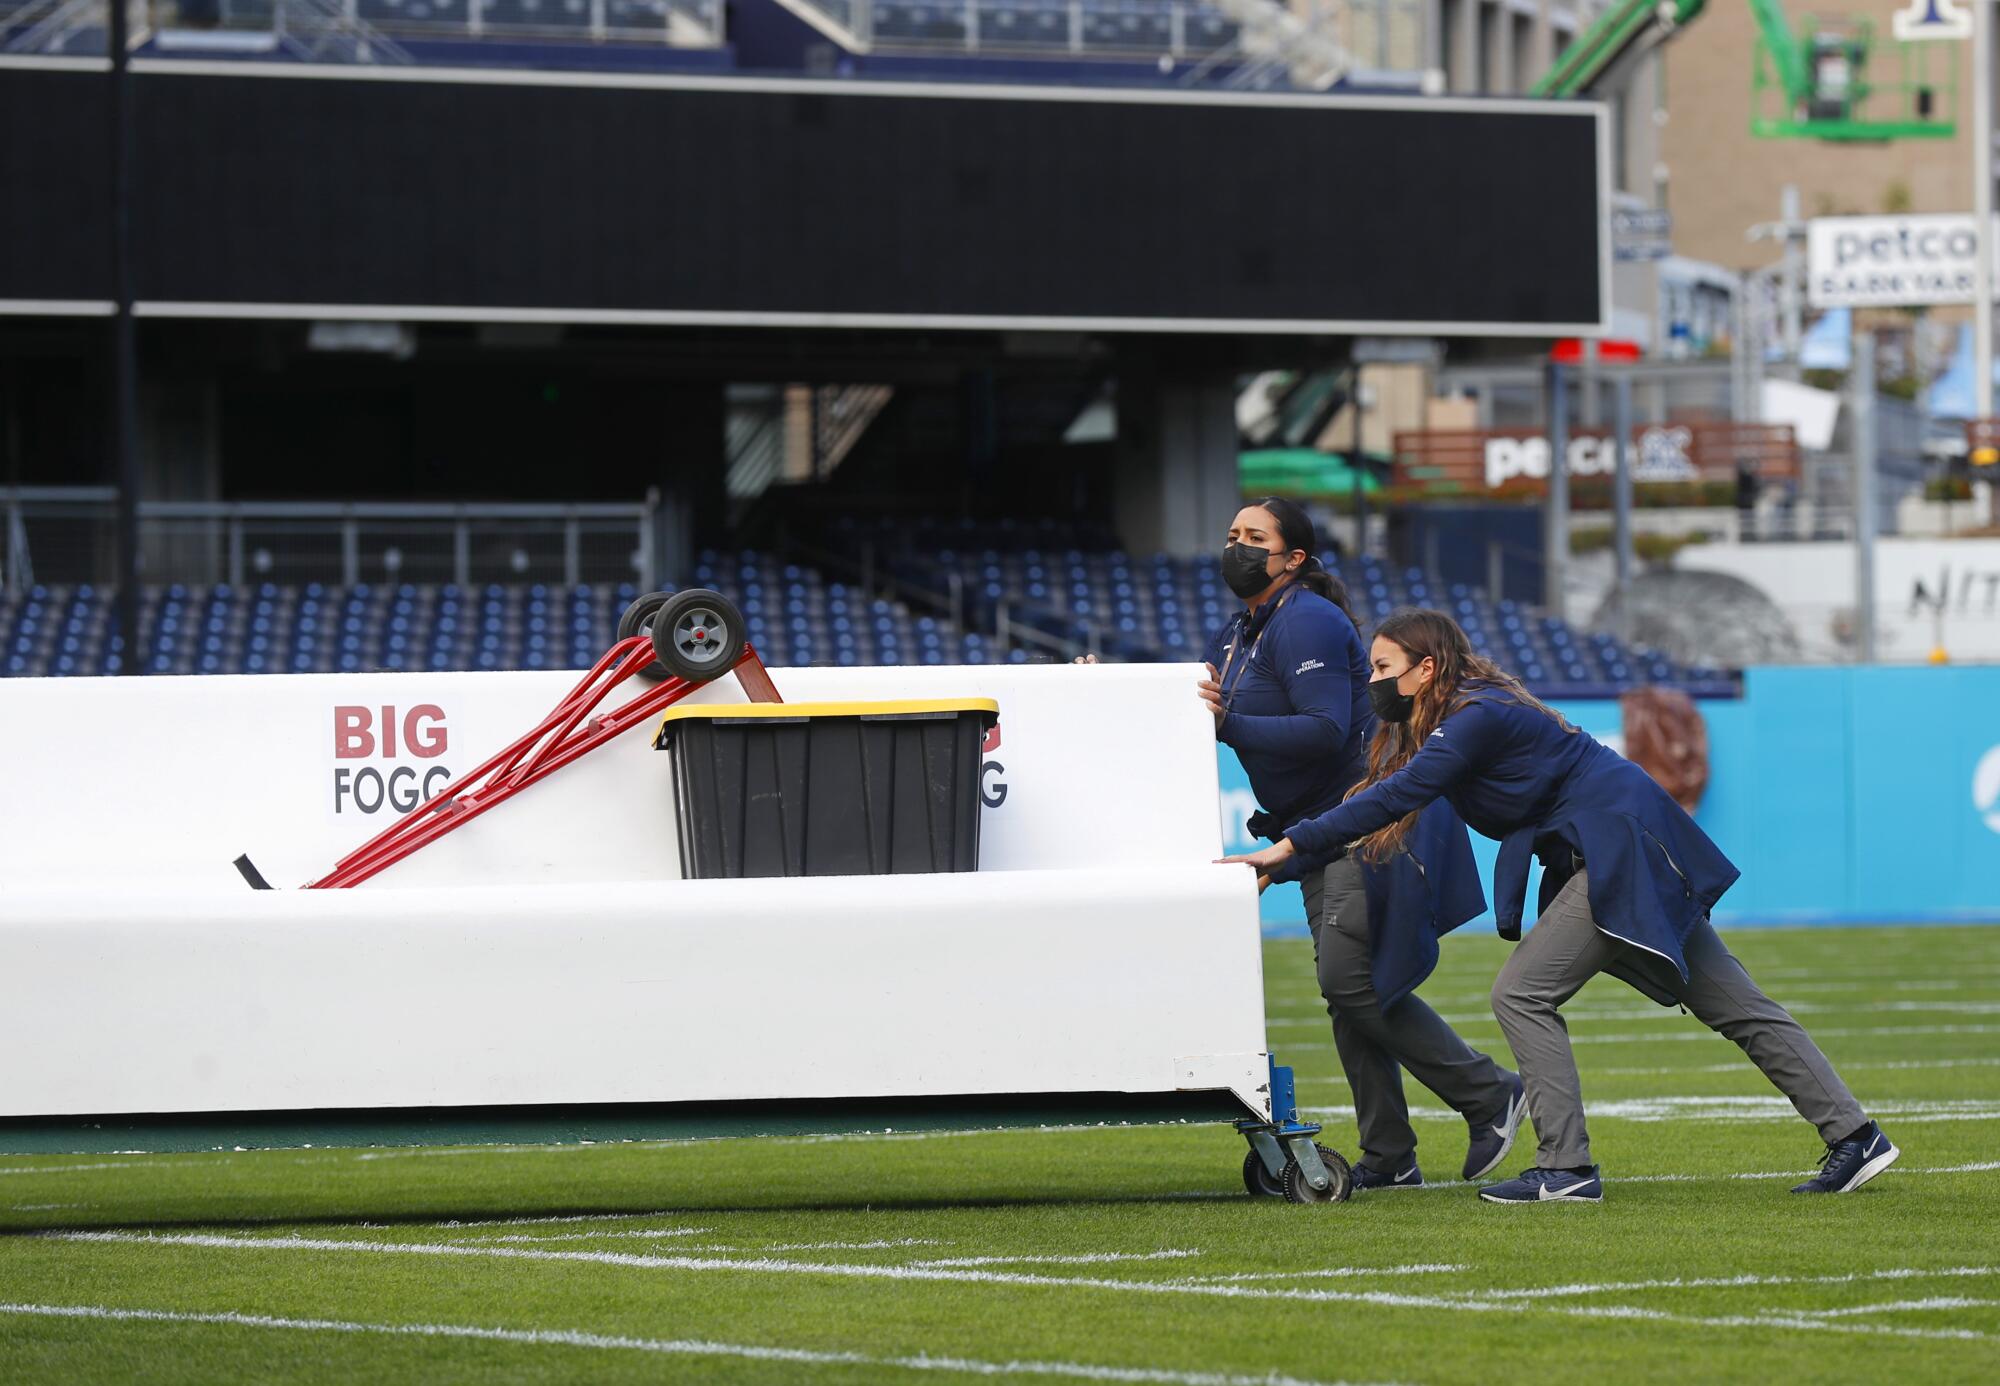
(1565, 949)
(1373, 1042)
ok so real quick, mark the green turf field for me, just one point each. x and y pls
(1120, 1255)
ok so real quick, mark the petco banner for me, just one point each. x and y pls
(1456, 460)
(1886, 262)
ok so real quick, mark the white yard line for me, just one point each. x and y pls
(839, 1270)
(880, 1245)
(650, 1234)
(1719, 1109)
(679, 1347)
(1673, 1013)
(1328, 1273)
(728, 1248)
(1744, 1066)
(1088, 1258)
(1776, 1319)
(562, 1218)
(1430, 1185)
(80, 1169)
(1899, 1306)
(1694, 1031)
(1711, 1282)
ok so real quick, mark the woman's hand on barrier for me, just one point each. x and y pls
(1210, 690)
(1263, 862)
(1085, 659)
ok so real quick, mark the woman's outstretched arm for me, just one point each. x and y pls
(1449, 756)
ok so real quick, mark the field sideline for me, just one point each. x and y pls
(1097, 1254)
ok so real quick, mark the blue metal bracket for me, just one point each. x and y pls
(1284, 1107)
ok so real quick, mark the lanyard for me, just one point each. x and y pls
(1229, 662)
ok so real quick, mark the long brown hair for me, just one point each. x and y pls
(1460, 676)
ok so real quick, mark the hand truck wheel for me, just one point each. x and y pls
(637, 619)
(698, 634)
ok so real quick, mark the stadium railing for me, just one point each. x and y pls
(65, 535)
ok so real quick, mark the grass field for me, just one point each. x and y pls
(1121, 1255)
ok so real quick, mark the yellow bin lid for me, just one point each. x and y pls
(902, 707)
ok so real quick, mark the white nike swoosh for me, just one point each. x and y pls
(1871, 1147)
(1406, 1176)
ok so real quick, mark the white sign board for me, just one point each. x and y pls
(1932, 19)
(1887, 262)
(1661, 455)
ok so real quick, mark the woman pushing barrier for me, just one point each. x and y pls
(1628, 882)
(1288, 687)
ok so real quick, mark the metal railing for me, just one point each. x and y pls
(1179, 28)
(1263, 43)
(356, 30)
(66, 535)
(71, 26)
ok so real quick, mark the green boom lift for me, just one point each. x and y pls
(1808, 82)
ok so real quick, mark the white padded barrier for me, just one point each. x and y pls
(547, 953)
(161, 782)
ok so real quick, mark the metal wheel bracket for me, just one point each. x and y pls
(1264, 1141)
(1306, 1152)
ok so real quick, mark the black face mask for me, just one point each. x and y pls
(1390, 705)
(1244, 569)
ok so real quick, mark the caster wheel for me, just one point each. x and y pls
(637, 619)
(1339, 1188)
(697, 634)
(1258, 1180)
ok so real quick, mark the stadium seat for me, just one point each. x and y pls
(1072, 587)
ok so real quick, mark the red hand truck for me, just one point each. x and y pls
(676, 642)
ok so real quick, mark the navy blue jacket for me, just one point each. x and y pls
(1297, 697)
(1545, 789)
(1300, 722)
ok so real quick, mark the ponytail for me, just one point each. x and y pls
(1315, 578)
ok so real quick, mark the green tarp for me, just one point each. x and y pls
(1301, 472)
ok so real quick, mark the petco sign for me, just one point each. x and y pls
(1662, 455)
(1875, 262)
(1454, 461)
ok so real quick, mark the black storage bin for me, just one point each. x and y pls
(827, 789)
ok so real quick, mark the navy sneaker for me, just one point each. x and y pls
(1547, 1186)
(1407, 1177)
(1490, 1144)
(1849, 1164)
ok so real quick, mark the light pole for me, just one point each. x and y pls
(1982, 206)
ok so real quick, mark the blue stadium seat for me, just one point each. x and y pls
(1134, 607)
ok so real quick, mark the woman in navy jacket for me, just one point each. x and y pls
(1288, 686)
(1628, 882)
